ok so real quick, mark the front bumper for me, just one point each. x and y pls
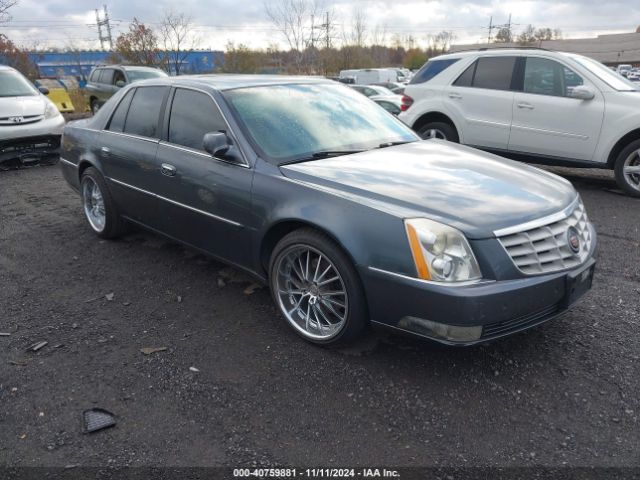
(31, 143)
(476, 313)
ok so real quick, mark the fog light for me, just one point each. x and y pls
(440, 331)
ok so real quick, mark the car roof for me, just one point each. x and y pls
(499, 51)
(126, 67)
(233, 81)
(7, 67)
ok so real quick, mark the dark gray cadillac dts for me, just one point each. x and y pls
(348, 216)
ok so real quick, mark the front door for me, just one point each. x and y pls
(202, 200)
(547, 121)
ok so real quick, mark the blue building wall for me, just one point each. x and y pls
(80, 64)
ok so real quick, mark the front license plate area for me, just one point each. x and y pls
(579, 283)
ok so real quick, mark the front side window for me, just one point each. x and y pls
(288, 123)
(106, 76)
(543, 76)
(12, 84)
(494, 73)
(193, 114)
(144, 112)
(431, 69)
(119, 77)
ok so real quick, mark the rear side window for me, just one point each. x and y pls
(431, 69)
(466, 79)
(193, 114)
(494, 73)
(106, 76)
(144, 112)
(117, 120)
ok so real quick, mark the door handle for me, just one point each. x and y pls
(454, 95)
(168, 170)
(105, 150)
(528, 106)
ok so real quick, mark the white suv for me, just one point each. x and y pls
(531, 104)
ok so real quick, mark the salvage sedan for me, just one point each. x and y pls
(349, 217)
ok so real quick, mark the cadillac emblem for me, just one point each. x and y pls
(573, 240)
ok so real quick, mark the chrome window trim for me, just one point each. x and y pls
(230, 130)
(202, 212)
(64, 160)
(481, 281)
(137, 137)
(555, 217)
(201, 153)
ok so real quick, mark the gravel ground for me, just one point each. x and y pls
(565, 393)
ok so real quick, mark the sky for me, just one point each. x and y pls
(62, 23)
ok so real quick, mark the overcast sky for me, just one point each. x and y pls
(68, 22)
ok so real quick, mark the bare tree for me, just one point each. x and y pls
(176, 40)
(358, 28)
(292, 18)
(5, 5)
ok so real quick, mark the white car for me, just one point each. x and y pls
(535, 105)
(30, 124)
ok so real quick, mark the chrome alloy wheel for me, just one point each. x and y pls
(631, 170)
(310, 292)
(93, 204)
(433, 133)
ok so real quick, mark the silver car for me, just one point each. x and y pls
(30, 124)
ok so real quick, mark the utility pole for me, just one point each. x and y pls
(104, 23)
(490, 29)
(509, 29)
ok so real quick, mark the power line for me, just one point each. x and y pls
(104, 23)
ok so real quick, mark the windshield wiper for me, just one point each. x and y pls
(323, 154)
(393, 144)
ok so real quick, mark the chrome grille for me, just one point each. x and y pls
(545, 247)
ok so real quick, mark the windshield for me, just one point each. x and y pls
(292, 122)
(135, 75)
(611, 78)
(12, 84)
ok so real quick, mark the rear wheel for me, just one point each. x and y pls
(316, 288)
(99, 207)
(439, 130)
(95, 106)
(627, 169)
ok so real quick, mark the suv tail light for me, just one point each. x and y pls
(406, 103)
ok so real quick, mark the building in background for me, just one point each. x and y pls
(611, 49)
(79, 64)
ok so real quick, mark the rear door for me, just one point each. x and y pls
(481, 99)
(128, 152)
(203, 201)
(546, 120)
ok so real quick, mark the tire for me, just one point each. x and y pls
(100, 209)
(628, 158)
(441, 130)
(95, 106)
(319, 318)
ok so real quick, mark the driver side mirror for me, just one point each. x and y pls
(582, 92)
(43, 90)
(120, 83)
(219, 145)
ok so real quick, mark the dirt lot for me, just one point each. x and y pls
(565, 393)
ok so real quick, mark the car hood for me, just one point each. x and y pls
(22, 106)
(473, 191)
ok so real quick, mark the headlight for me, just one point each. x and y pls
(441, 253)
(50, 111)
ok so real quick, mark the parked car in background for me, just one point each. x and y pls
(397, 88)
(373, 90)
(390, 104)
(30, 124)
(338, 206)
(369, 76)
(534, 105)
(624, 69)
(106, 80)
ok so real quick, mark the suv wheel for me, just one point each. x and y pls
(627, 169)
(95, 106)
(439, 130)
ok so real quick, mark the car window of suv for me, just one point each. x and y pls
(494, 73)
(106, 76)
(144, 112)
(193, 114)
(119, 76)
(94, 76)
(431, 69)
(117, 120)
(543, 76)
